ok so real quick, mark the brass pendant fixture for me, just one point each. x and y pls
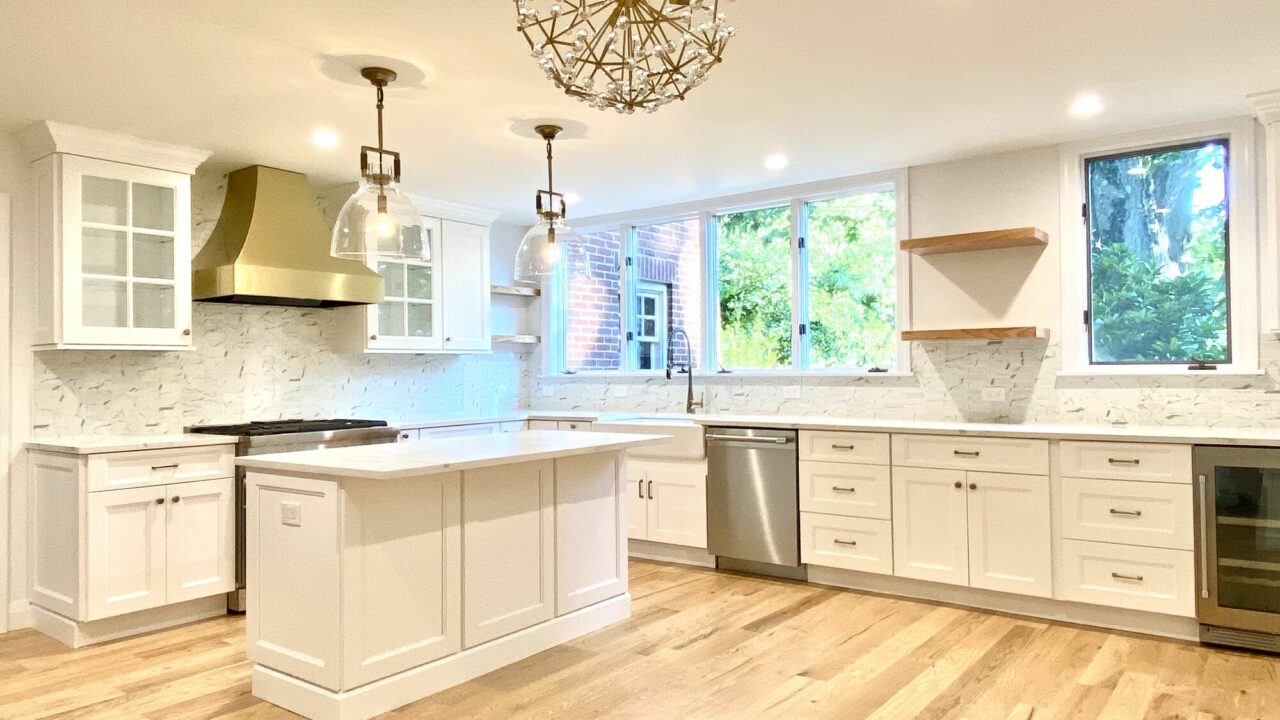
(551, 245)
(625, 54)
(379, 222)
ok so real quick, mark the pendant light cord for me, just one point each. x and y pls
(381, 171)
(550, 186)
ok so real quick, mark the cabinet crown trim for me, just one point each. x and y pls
(47, 137)
(1266, 105)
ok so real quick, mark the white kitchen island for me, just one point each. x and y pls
(381, 574)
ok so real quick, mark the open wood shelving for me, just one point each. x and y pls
(998, 333)
(515, 291)
(971, 242)
(517, 339)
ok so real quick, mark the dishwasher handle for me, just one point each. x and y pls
(747, 439)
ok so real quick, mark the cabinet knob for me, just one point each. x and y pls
(159, 501)
(176, 499)
(404, 436)
(448, 339)
(187, 332)
(373, 337)
(973, 486)
(959, 485)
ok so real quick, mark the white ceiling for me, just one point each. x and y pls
(839, 86)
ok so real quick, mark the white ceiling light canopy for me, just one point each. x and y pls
(1086, 105)
(625, 54)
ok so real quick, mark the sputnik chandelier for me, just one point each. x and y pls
(625, 54)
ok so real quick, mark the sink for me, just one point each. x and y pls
(686, 441)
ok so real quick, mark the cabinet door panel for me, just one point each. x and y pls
(465, 275)
(508, 543)
(126, 545)
(200, 544)
(930, 527)
(1010, 543)
(591, 549)
(677, 499)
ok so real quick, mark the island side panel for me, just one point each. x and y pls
(591, 530)
(401, 574)
(508, 547)
(292, 576)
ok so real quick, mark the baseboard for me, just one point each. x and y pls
(80, 634)
(317, 703)
(663, 552)
(19, 615)
(1170, 626)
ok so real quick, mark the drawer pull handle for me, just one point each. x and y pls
(1127, 513)
(850, 446)
(650, 487)
(966, 453)
(837, 488)
(1123, 461)
(850, 543)
(640, 487)
(173, 466)
(1122, 576)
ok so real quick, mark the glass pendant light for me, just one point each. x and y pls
(378, 222)
(551, 245)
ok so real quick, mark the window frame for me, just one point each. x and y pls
(796, 198)
(1241, 246)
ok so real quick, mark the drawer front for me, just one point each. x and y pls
(114, 471)
(1127, 461)
(1002, 455)
(1132, 513)
(1137, 578)
(846, 543)
(849, 447)
(845, 489)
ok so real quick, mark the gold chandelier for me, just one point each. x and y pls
(625, 54)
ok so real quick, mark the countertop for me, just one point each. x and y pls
(91, 444)
(426, 457)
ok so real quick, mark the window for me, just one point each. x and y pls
(851, 253)
(782, 282)
(651, 326)
(1161, 270)
(754, 262)
(1157, 229)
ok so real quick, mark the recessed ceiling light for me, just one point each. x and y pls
(1086, 105)
(324, 138)
(776, 161)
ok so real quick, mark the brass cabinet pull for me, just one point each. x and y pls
(959, 485)
(640, 488)
(834, 446)
(173, 466)
(973, 486)
(650, 489)
(186, 332)
(850, 543)
(404, 436)
(1122, 576)
(1123, 461)
(966, 453)
(176, 499)
(837, 488)
(159, 501)
(1127, 513)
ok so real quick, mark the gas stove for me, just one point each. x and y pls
(282, 427)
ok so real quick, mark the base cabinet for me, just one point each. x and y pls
(667, 502)
(126, 549)
(930, 529)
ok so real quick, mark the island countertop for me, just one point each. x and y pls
(427, 457)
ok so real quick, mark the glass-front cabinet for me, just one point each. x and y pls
(114, 249)
(408, 318)
(1239, 538)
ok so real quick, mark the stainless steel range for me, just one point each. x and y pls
(277, 436)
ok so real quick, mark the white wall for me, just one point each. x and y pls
(13, 397)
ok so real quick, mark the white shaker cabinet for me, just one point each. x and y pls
(126, 548)
(409, 316)
(465, 250)
(668, 502)
(930, 529)
(200, 539)
(1010, 533)
(113, 239)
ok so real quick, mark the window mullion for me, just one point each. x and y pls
(799, 287)
(630, 356)
(710, 293)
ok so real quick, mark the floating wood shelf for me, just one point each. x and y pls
(1001, 333)
(969, 242)
(517, 339)
(515, 291)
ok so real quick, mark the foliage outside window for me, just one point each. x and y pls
(754, 259)
(852, 270)
(1158, 241)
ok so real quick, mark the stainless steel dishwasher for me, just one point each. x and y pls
(753, 513)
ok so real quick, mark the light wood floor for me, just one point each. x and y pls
(707, 645)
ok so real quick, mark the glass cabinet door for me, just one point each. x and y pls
(407, 318)
(1247, 537)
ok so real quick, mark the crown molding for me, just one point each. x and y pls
(1266, 106)
(454, 211)
(48, 137)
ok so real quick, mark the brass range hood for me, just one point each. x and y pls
(271, 247)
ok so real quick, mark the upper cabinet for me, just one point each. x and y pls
(113, 240)
(441, 305)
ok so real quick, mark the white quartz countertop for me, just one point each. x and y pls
(426, 457)
(91, 444)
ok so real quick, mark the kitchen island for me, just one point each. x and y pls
(381, 574)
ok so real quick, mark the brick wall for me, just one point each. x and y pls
(669, 254)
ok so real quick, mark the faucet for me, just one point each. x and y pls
(689, 403)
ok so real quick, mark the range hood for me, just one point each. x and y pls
(271, 247)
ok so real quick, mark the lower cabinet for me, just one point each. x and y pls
(849, 543)
(667, 502)
(591, 546)
(984, 530)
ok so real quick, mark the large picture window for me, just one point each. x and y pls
(1158, 241)
(754, 256)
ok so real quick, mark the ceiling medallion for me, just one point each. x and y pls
(625, 54)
